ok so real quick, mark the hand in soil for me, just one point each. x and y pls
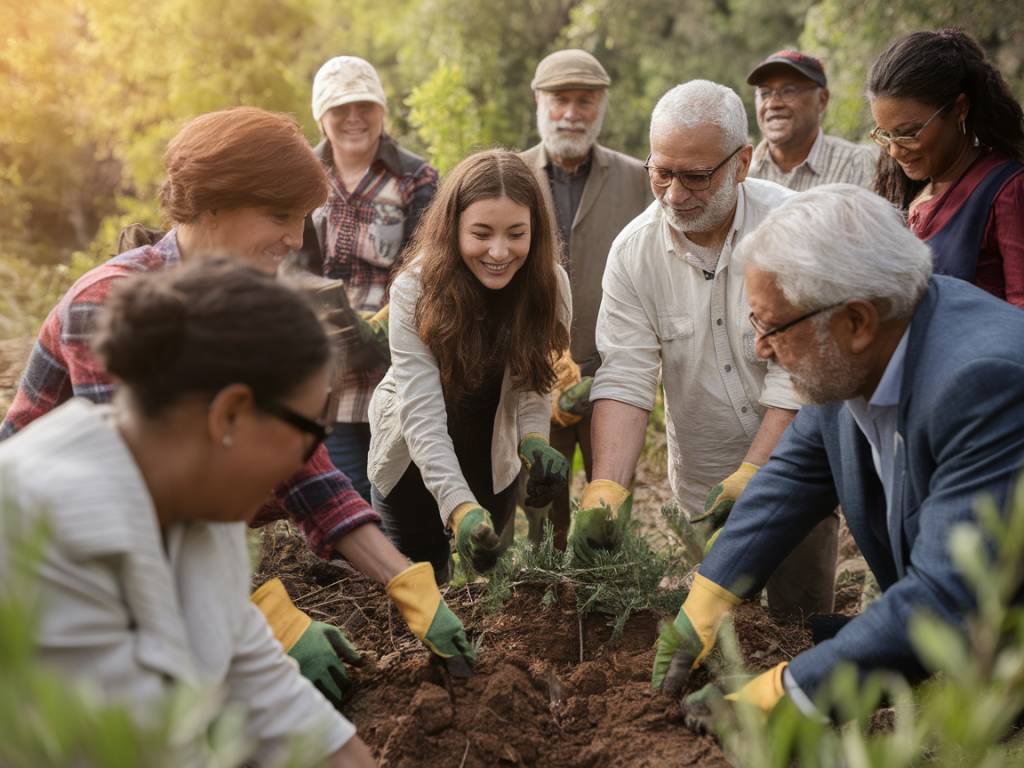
(720, 501)
(322, 652)
(605, 510)
(417, 597)
(547, 471)
(710, 707)
(475, 539)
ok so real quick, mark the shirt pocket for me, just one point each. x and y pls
(749, 341)
(676, 334)
(385, 233)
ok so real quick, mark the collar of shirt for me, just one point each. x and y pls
(668, 242)
(387, 155)
(887, 393)
(812, 162)
(558, 173)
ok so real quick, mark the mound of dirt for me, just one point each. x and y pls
(550, 688)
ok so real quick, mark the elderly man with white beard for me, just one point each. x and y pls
(593, 192)
(673, 304)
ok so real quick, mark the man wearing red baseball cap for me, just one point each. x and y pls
(791, 94)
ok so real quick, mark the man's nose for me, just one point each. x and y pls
(677, 193)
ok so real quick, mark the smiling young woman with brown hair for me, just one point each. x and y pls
(477, 317)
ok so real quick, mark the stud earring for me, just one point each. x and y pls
(226, 441)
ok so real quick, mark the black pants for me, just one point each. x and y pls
(410, 517)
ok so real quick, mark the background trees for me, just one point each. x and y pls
(93, 89)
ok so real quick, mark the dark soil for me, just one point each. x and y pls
(549, 689)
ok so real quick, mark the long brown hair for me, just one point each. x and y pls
(934, 68)
(452, 299)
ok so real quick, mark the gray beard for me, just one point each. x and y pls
(561, 146)
(716, 210)
(828, 377)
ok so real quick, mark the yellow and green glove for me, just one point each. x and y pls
(571, 400)
(719, 503)
(322, 650)
(575, 401)
(605, 509)
(683, 643)
(475, 538)
(547, 471)
(415, 593)
(762, 692)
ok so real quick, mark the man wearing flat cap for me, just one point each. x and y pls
(593, 192)
(791, 94)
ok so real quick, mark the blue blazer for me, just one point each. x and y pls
(960, 432)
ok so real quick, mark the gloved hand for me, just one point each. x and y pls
(373, 329)
(567, 374)
(763, 692)
(475, 538)
(720, 501)
(415, 593)
(547, 471)
(684, 643)
(321, 649)
(605, 509)
(576, 399)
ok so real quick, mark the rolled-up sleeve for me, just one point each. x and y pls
(626, 338)
(777, 391)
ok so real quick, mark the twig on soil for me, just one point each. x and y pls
(579, 622)
(305, 597)
(465, 754)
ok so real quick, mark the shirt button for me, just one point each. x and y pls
(728, 367)
(718, 321)
(743, 409)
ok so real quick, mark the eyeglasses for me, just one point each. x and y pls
(695, 181)
(786, 93)
(318, 429)
(884, 138)
(762, 333)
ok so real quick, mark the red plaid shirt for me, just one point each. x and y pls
(359, 238)
(319, 499)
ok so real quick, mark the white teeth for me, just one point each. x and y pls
(495, 268)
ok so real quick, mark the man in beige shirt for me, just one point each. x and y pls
(673, 305)
(791, 94)
(592, 192)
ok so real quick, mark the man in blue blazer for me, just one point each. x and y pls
(915, 392)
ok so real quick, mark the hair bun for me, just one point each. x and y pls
(142, 330)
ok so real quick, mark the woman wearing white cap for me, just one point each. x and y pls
(377, 192)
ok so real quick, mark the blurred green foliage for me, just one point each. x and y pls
(93, 89)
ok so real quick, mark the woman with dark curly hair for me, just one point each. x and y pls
(954, 136)
(478, 314)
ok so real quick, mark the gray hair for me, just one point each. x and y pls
(702, 102)
(838, 242)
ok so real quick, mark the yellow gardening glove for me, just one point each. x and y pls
(320, 649)
(415, 593)
(720, 501)
(567, 373)
(763, 692)
(683, 644)
(605, 509)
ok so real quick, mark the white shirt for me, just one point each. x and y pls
(659, 314)
(133, 612)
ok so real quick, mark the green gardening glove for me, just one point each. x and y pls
(320, 649)
(720, 501)
(547, 471)
(604, 512)
(576, 399)
(683, 644)
(475, 538)
(415, 593)
(373, 330)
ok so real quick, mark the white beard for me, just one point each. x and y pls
(562, 145)
(715, 211)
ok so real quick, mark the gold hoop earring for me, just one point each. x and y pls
(963, 125)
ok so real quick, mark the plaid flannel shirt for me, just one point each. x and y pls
(360, 236)
(319, 499)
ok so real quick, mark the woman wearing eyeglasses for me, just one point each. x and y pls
(954, 140)
(145, 581)
(240, 181)
(478, 315)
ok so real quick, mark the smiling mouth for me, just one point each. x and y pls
(496, 269)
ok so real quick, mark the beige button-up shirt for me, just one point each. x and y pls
(660, 314)
(830, 160)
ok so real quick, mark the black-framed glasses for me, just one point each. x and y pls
(787, 93)
(883, 138)
(318, 429)
(763, 333)
(695, 180)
